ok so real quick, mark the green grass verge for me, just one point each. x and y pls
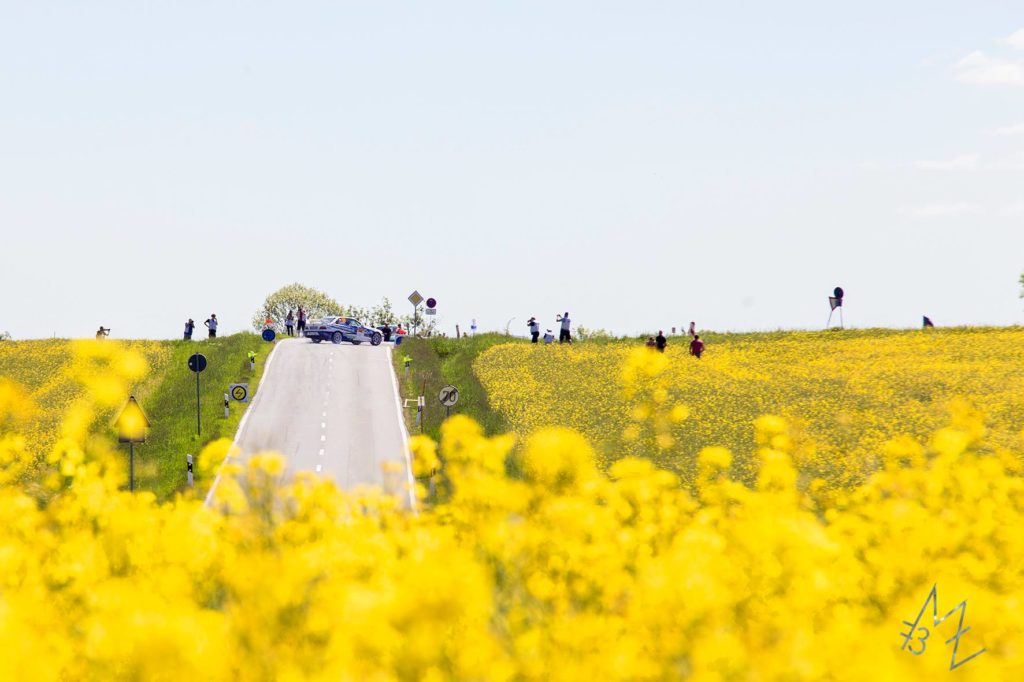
(171, 407)
(437, 362)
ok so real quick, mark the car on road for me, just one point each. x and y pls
(339, 329)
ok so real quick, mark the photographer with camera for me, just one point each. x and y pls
(102, 333)
(563, 335)
(534, 326)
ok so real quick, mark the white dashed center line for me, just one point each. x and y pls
(321, 452)
(319, 468)
(323, 425)
(323, 438)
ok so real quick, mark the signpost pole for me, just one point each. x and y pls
(132, 427)
(199, 424)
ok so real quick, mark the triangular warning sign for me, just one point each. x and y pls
(132, 425)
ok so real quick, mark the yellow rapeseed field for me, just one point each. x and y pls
(843, 393)
(50, 374)
(571, 572)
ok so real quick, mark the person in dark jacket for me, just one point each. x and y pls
(696, 346)
(661, 341)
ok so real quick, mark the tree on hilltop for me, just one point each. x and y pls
(316, 303)
(5, 336)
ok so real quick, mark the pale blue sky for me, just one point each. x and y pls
(639, 164)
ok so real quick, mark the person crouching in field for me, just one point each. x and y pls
(651, 343)
(190, 326)
(696, 346)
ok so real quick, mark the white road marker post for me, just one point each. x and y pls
(227, 412)
(188, 459)
(421, 402)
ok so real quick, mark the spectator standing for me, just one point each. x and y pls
(534, 326)
(386, 331)
(549, 337)
(211, 324)
(563, 335)
(661, 341)
(289, 324)
(302, 321)
(190, 327)
(696, 346)
(102, 333)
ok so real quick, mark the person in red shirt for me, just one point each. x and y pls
(696, 346)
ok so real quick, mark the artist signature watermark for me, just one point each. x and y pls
(916, 637)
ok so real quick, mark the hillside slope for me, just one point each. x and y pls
(51, 372)
(843, 393)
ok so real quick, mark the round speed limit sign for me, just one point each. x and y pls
(448, 396)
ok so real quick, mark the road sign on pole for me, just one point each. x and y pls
(431, 311)
(431, 303)
(449, 395)
(132, 428)
(415, 298)
(197, 363)
(239, 392)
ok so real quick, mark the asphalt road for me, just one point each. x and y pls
(331, 409)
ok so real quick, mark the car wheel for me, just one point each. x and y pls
(336, 337)
(315, 339)
(376, 339)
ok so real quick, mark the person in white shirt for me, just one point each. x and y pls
(534, 326)
(564, 335)
(212, 325)
(549, 337)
